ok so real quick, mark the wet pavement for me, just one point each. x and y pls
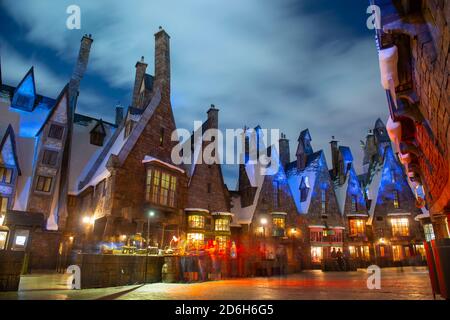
(396, 283)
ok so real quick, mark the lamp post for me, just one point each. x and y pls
(263, 224)
(150, 215)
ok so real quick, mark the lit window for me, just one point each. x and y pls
(5, 175)
(396, 203)
(222, 225)
(429, 232)
(420, 249)
(196, 239)
(279, 222)
(160, 187)
(356, 227)
(400, 227)
(173, 187)
(3, 236)
(196, 221)
(165, 184)
(316, 254)
(44, 184)
(3, 205)
(354, 204)
(397, 253)
(222, 242)
(20, 239)
(56, 132)
(324, 201)
(50, 157)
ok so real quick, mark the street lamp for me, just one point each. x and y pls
(151, 214)
(263, 223)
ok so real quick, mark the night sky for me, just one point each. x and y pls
(281, 64)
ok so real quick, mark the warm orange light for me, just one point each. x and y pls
(263, 221)
(175, 239)
(2, 219)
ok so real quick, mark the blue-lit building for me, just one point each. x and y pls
(397, 236)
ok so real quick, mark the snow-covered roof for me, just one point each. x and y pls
(196, 210)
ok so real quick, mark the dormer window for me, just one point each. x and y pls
(354, 204)
(97, 139)
(304, 189)
(56, 132)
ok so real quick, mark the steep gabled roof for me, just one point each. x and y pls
(63, 93)
(9, 134)
(99, 127)
(27, 86)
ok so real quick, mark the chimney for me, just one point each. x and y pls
(213, 117)
(80, 68)
(285, 156)
(162, 60)
(119, 114)
(334, 155)
(300, 154)
(141, 68)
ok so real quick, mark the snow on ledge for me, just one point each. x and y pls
(399, 214)
(222, 214)
(279, 213)
(196, 210)
(148, 159)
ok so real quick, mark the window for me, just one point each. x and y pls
(396, 203)
(276, 194)
(3, 236)
(429, 232)
(128, 128)
(97, 138)
(44, 184)
(354, 204)
(335, 235)
(72, 201)
(160, 187)
(208, 187)
(397, 253)
(316, 254)
(173, 187)
(56, 132)
(3, 205)
(196, 221)
(24, 101)
(101, 188)
(393, 179)
(161, 137)
(356, 227)
(156, 181)
(222, 225)
(400, 227)
(304, 189)
(50, 157)
(5, 175)
(222, 242)
(279, 222)
(20, 239)
(324, 201)
(196, 238)
(420, 249)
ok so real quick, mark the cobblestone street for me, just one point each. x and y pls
(396, 283)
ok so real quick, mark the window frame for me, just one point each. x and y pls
(221, 224)
(161, 191)
(400, 227)
(51, 133)
(196, 221)
(54, 154)
(44, 189)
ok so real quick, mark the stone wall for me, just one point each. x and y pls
(44, 250)
(101, 271)
(11, 263)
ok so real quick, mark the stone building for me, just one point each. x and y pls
(397, 236)
(310, 183)
(352, 204)
(414, 50)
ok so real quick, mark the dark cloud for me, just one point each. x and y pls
(279, 64)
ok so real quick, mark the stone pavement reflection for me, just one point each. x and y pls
(396, 283)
